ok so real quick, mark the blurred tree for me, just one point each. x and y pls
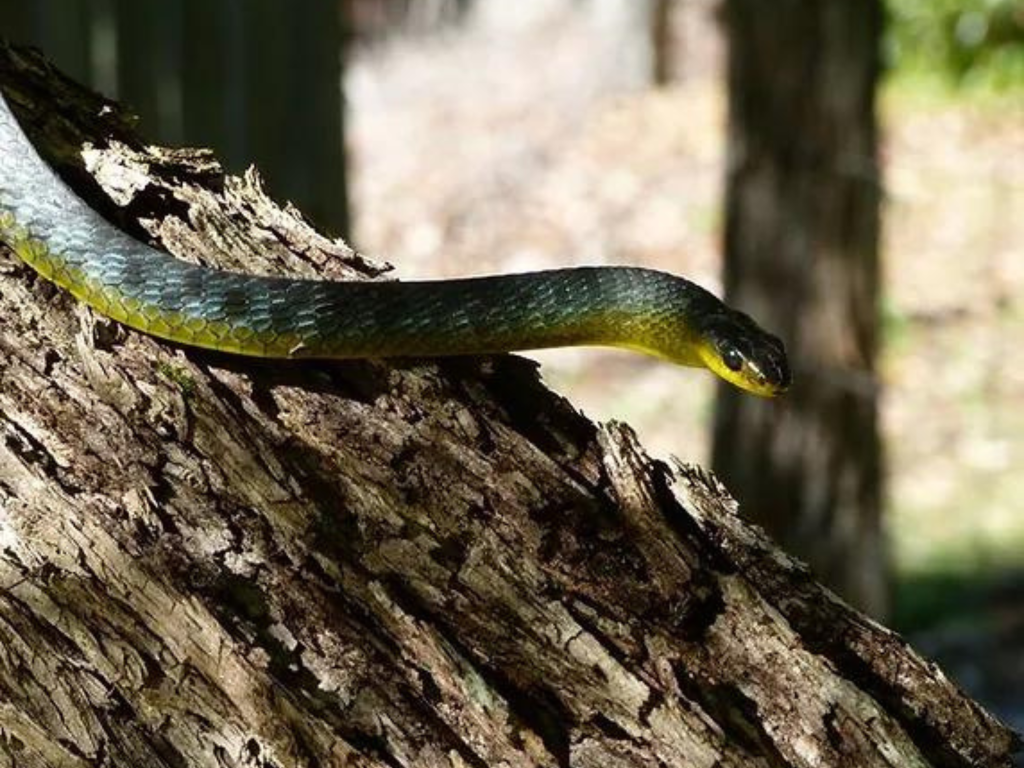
(257, 80)
(801, 254)
(636, 36)
(32, 22)
(971, 41)
(662, 42)
(149, 65)
(293, 54)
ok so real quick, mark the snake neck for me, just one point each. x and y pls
(624, 307)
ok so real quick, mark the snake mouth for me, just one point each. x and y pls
(753, 380)
(771, 377)
(768, 378)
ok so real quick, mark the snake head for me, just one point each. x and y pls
(741, 352)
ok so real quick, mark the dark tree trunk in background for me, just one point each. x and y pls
(62, 27)
(149, 53)
(662, 42)
(291, 68)
(258, 80)
(214, 76)
(802, 229)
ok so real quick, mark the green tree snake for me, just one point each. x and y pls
(58, 234)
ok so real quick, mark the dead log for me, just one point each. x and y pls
(213, 561)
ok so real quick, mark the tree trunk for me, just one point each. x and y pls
(213, 561)
(662, 42)
(801, 246)
(149, 63)
(626, 31)
(67, 43)
(292, 78)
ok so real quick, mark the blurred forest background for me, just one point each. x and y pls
(466, 136)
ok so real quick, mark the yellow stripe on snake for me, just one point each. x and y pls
(66, 241)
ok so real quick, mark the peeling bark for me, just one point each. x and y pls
(213, 561)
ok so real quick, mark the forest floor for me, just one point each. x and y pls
(492, 150)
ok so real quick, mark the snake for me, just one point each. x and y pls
(48, 226)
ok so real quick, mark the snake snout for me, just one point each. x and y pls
(771, 363)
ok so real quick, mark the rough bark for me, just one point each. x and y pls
(211, 561)
(801, 254)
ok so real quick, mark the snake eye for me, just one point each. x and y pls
(733, 360)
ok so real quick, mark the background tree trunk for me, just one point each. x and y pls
(662, 42)
(801, 242)
(212, 561)
(260, 81)
(629, 44)
(292, 64)
(149, 63)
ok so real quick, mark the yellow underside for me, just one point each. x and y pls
(145, 317)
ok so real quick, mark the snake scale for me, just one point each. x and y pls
(59, 235)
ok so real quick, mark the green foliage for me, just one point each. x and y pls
(179, 376)
(942, 599)
(972, 43)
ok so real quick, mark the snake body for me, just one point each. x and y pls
(66, 241)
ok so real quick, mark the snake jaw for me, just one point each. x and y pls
(749, 377)
(761, 383)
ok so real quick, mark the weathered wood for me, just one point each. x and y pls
(212, 561)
